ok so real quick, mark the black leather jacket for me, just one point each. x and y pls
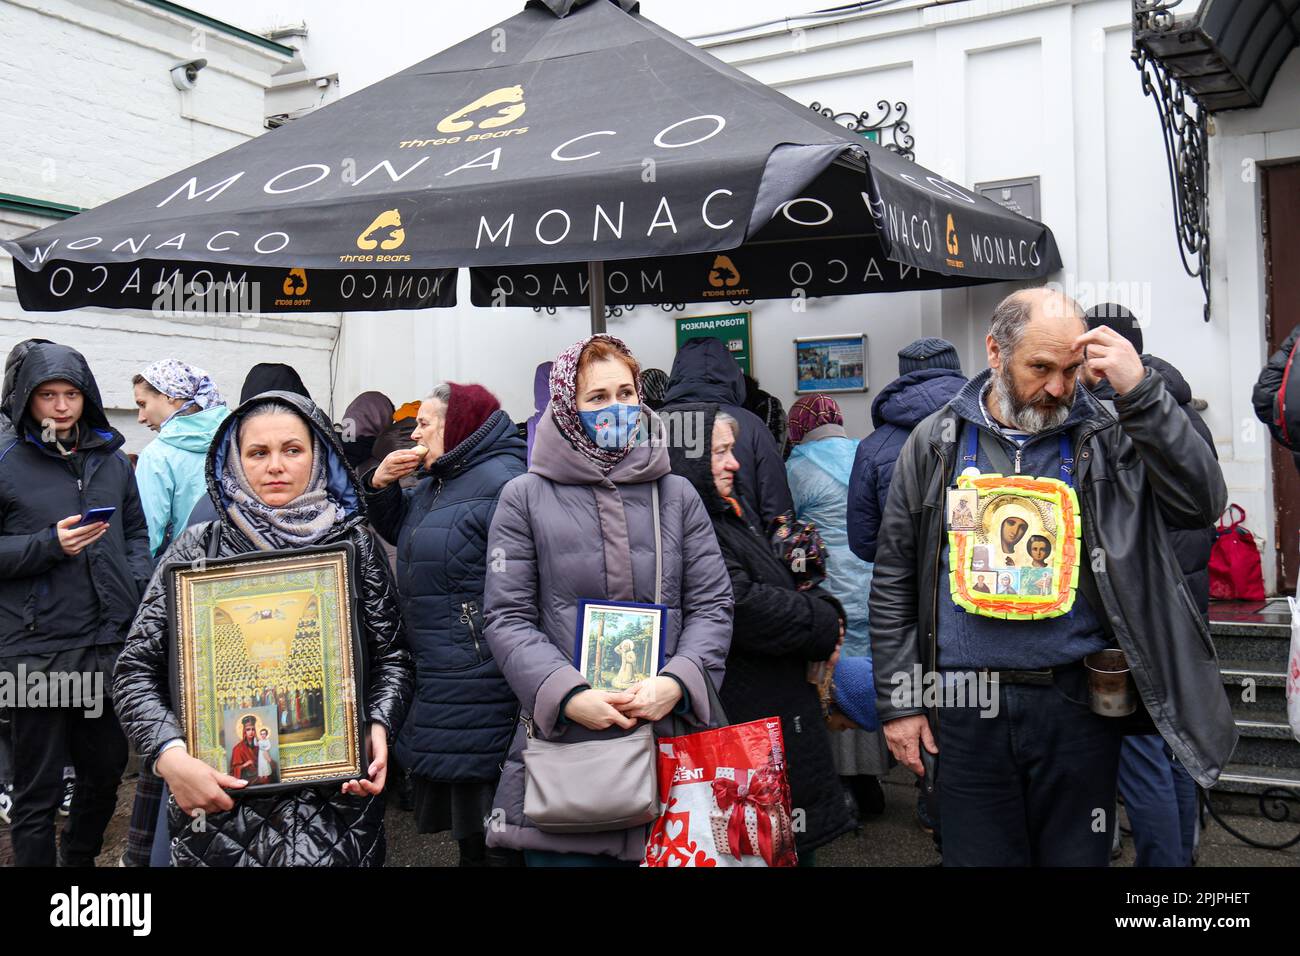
(1138, 476)
(311, 826)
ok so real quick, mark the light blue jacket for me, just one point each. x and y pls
(818, 471)
(170, 472)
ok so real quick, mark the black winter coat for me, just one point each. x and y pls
(1192, 546)
(463, 715)
(310, 826)
(778, 631)
(48, 601)
(1268, 390)
(704, 371)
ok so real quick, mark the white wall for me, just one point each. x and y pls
(994, 91)
(1244, 140)
(89, 113)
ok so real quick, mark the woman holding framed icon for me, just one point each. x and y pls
(598, 518)
(279, 655)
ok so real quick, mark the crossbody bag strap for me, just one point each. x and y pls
(659, 543)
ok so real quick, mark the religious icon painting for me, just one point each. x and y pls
(619, 643)
(1020, 558)
(251, 740)
(266, 665)
(962, 507)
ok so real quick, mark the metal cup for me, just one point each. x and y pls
(1111, 691)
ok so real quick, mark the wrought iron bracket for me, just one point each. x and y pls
(892, 120)
(1184, 124)
(1274, 804)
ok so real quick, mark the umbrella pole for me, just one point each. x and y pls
(596, 295)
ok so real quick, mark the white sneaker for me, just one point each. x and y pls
(65, 807)
(6, 804)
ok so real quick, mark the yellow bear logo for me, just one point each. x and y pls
(388, 226)
(295, 283)
(509, 104)
(724, 273)
(954, 247)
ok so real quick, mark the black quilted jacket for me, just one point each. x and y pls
(311, 826)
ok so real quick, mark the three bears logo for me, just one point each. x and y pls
(385, 232)
(954, 245)
(724, 273)
(295, 283)
(294, 289)
(506, 105)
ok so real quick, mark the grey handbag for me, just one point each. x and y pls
(596, 785)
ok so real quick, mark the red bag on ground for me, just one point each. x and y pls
(724, 799)
(1235, 570)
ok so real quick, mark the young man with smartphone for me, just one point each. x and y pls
(74, 560)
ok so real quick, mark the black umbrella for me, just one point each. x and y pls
(575, 134)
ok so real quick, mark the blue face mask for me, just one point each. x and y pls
(611, 427)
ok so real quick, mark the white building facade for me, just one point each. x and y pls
(90, 112)
(994, 90)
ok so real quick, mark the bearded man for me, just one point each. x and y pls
(1033, 783)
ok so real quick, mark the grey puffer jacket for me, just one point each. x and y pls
(312, 825)
(1138, 478)
(564, 532)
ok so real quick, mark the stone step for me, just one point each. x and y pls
(1269, 704)
(1267, 729)
(1260, 750)
(1249, 778)
(1271, 651)
(1264, 675)
(1268, 618)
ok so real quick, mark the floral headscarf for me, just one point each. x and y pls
(812, 411)
(564, 403)
(175, 379)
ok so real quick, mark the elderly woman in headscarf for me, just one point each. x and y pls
(598, 517)
(780, 629)
(455, 736)
(820, 463)
(279, 481)
(181, 403)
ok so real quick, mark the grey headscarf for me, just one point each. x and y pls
(301, 522)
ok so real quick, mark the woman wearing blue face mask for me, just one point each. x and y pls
(599, 516)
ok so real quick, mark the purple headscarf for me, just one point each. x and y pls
(175, 379)
(564, 403)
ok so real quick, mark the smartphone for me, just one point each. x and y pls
(95, 515)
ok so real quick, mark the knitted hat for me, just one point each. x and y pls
(812, 411)
(654, 384)
(928, 353)
(855, 691)
(1115, 316)
(469, 407)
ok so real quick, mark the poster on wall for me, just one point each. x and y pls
(732, 328)
(831, 363)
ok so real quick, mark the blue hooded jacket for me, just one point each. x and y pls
(170, 472)
(896, 411)
(819, 477)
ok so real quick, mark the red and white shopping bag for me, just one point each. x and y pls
(724, 798)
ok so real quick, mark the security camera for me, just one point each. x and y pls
(186, 75)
